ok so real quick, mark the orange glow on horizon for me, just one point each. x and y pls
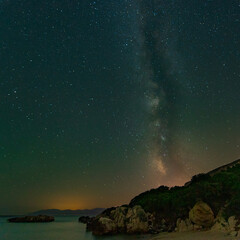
(63, 203)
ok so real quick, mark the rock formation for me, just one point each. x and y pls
(119, 216)
(136, 220)
(184, 225)
(220, 224)
(202, 215)
(232, 223)
(104, 226)
(121, 220)
(230, 226)
(166, 209)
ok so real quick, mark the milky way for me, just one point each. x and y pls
(161, 87)
(176, 41)
(102, 100)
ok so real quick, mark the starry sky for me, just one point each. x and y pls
(102, 100)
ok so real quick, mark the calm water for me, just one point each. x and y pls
(64, 228)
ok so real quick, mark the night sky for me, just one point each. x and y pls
(102, 100)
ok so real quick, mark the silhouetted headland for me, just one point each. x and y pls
(209, 201)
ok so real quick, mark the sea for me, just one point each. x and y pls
(63, 228)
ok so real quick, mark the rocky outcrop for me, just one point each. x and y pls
(121, 220)
(184, 225)
(220, 224)
(230, 226)
(136, 220)
(133, 220)
(187, 226)
(234, 227)
(202, 215)
(232, 223)
(104, 226)
(32, 219)
(119, 216)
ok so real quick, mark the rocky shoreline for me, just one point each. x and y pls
(121, 220)
(134, 220)
(209, 202)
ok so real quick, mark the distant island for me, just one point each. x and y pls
(69, 212)
(210, 201)
(32, 219)
(48, 215)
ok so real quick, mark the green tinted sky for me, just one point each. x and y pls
(101, 100)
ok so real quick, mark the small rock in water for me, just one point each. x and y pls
(40, 218)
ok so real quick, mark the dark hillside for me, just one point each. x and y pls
(218, 188)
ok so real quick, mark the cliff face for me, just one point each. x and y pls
(216, 193)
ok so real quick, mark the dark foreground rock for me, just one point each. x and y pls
(134, 220)
(40, 218)
(121, 220)
(84, 219)
(202, 215)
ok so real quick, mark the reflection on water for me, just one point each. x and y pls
(64, 228)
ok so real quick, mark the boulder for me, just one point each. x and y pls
(232, 222)
(119, 217)
(184, 225)
(153, 227)
(104, 226)
(202, 215)
(136, 220)
(31, 219)
(220, 224)
(122, 220)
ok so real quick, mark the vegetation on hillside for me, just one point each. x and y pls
(220, 191)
